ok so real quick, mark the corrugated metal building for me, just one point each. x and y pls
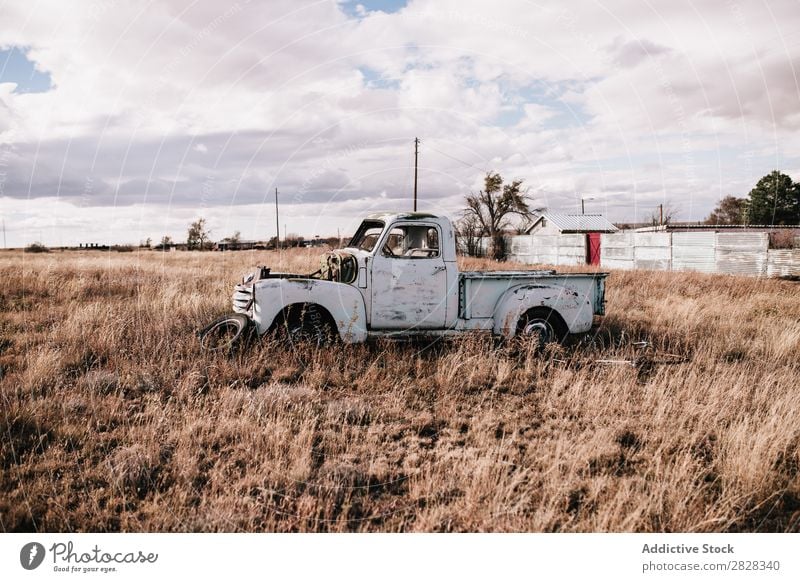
(741, 253)
(565, 239)
(617, 250)
(733, 250)
(708, 249)
(784, 262)
(693, 251)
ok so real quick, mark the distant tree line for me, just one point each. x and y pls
(774, 200)
(198, 237)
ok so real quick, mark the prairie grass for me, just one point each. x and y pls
(113, 419)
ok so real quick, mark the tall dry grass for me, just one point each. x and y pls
(114, 420)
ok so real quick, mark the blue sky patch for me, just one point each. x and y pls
(549, 95)
(570, 115)
(15, 67)
(509, 117)
(375, 80)
(351, 7)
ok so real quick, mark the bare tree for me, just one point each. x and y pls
(494, 206)
(198, 234)
(235, 238)
(527, 222)
(165, 244)
(730, 210)
(662, 214)
(469, 230)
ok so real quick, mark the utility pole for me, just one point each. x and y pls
(4, 233)
(660, 215)
(416, 158)
(277, 228)
(582, 209)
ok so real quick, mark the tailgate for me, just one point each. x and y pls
(599, 297)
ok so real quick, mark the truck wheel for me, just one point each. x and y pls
(226, 333)
(542, 326)
(308, 325)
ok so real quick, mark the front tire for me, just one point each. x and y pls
(307, 325)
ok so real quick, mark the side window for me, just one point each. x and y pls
(395, 243)
(412, 242)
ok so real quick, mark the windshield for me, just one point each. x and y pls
(367, 235)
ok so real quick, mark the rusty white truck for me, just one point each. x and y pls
(399, 277)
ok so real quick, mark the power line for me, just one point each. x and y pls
(458, 160)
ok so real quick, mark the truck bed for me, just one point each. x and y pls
(479, 291)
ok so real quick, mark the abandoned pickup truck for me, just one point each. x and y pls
(398, 277)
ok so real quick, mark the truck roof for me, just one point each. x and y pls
(396, 215)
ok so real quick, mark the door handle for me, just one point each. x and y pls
(439, 269)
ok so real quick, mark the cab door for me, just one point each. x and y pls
(409, 279)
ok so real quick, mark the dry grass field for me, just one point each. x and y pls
(113, 419)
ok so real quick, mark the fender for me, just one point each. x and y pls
(343, 302)
(576, 311)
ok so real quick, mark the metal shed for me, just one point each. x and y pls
(575, 237)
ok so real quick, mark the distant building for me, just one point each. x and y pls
(315, 242)
(754, 250)
(239, 245)
(576, 234)
(171, 246)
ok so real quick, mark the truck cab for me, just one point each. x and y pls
(407, 264)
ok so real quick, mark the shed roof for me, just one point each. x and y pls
(577, 222)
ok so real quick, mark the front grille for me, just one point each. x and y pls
(242, 298)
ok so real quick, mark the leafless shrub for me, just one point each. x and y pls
(36, 247)
(783, 239)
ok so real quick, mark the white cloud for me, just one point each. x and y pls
(201, 106)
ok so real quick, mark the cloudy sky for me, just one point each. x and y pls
(122, 120)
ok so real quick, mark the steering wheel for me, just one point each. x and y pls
(389, 250)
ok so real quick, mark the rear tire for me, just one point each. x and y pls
(226, 333)
(542, 326)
